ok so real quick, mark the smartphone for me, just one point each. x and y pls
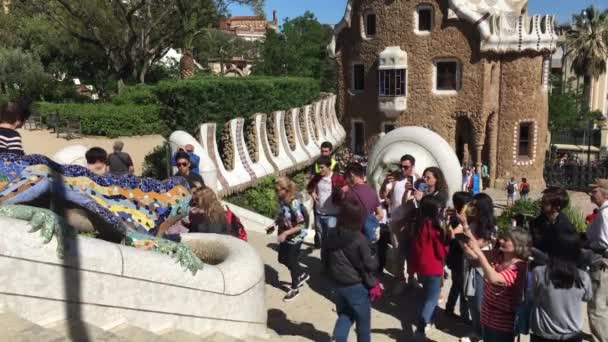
(422, 187)
(410, 182)
(462, 237)
(454, 221)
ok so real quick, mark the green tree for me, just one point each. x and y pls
(299, 50)
(218, 46)
(195, 18)
(21, 73)
(133, 35)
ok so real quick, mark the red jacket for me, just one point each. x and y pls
(427, 251)
(337, 183)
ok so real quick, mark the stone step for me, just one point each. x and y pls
(82, 331)
(135, 334)
(219, 337)
(14, 328)
(181, 336)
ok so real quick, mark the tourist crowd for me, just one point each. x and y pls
(506, 282)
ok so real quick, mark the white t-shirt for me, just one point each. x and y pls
(397, 198)
(325, 206)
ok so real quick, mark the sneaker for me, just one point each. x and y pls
(302, 279)
(291, 295)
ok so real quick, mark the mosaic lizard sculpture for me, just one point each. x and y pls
(139, 209)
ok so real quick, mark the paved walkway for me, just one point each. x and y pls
(312, 314)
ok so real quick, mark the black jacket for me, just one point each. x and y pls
(343, 246)
(542, 230)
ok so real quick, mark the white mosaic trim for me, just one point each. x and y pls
(525, 161)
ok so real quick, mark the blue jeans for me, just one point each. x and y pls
(431, 285)
(492, 335)
(353, 305)
(474, 303)
(323, 223)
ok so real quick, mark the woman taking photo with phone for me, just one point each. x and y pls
(503, 269)
(479, 219)
(433, 184)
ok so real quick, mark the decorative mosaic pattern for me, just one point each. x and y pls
(143, 204)
(138, 208)
(290, 130)
(303, 126)
(266, 142)
(280, 123)
(251, 141)
(227, 150)
(50, 225)
(211, 145)
(272, 136)
(240, 148)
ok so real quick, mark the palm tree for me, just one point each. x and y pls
(588, 44)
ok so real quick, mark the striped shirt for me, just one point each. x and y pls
(10, 141)
(500, 302)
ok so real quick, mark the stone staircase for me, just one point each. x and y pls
(16, 329)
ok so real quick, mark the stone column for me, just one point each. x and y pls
(478, 163)
(604, 141)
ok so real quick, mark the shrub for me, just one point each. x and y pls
(108, 119)
(139, 95)
(260, 198)
(188, 104)
(576, 217)
(528, 209)
(156, 163)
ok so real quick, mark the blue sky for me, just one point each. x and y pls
(331, 11)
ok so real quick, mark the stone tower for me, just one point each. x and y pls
(475, 72)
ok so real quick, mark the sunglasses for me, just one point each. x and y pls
(405, 167)
(182, 164)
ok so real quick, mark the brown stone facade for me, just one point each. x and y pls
(481, 120)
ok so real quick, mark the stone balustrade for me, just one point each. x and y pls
(281, 145)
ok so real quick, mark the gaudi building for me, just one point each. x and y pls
(474, 71)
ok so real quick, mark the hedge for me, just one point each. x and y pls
(139, 94)
(108, 119)
(188, 104)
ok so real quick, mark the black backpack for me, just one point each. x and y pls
(511, 187)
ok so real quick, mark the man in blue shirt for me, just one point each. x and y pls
(194, 159)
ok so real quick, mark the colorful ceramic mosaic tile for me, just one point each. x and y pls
(145, 205)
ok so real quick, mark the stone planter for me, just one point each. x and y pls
(106, 284)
